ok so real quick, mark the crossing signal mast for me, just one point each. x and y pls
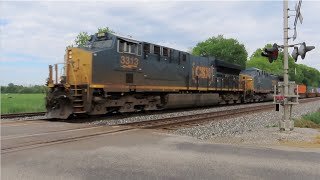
(286, 92)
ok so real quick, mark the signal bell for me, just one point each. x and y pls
(303, 49)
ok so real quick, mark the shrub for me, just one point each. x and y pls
(314, 117)
(311, 120)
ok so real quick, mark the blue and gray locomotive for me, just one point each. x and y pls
(114, 73)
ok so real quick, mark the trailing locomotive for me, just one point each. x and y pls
(308, 91)
(114, 73)
(263, 84)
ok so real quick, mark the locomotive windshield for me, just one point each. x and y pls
(100, 40)
(102, 44)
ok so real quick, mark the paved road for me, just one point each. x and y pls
(149, 155)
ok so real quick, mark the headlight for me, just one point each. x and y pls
(70, 52)
(70, 56)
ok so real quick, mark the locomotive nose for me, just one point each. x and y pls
(78, 68)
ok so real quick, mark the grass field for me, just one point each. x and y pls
(18, 103)
(311, 120)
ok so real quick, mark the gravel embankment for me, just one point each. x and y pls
(251, 126)
(160, 115)
(23, 118)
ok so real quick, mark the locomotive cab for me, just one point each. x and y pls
(67, 94)
(262, 85)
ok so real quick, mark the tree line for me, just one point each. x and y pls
(12, 88)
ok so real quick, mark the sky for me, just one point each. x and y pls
(34, 34)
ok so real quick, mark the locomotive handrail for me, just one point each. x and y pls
(86, 75)
(52, 81)
(74, 77)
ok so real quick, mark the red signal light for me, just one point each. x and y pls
(271, 53)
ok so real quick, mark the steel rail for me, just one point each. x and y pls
(174, 123)
(40, 143)
(60, 136)
(16, 115)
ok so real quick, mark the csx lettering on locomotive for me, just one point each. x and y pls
(202, 72)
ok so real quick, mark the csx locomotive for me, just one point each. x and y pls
(118, 74)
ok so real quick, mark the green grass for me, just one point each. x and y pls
(18, 103)
(311, 120)
(314, 117)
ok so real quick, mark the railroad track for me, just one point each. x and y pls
(174, 123)
(22, 122)
(18, 143)
(16, 122)
(17, 115)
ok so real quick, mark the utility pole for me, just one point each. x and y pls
(286, 123)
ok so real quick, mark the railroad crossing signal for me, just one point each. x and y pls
(298, 16)
(298, 13)
(303, 49)
(295, 53)
(271, 53)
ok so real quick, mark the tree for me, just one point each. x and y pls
(12, 88)
(83, 37)
(105, 29)
(229, 50)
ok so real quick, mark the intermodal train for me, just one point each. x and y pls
(308, 91)
(112, 73)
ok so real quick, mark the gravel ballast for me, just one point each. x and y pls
(162, 114)
(24, 118)
(251, 126)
